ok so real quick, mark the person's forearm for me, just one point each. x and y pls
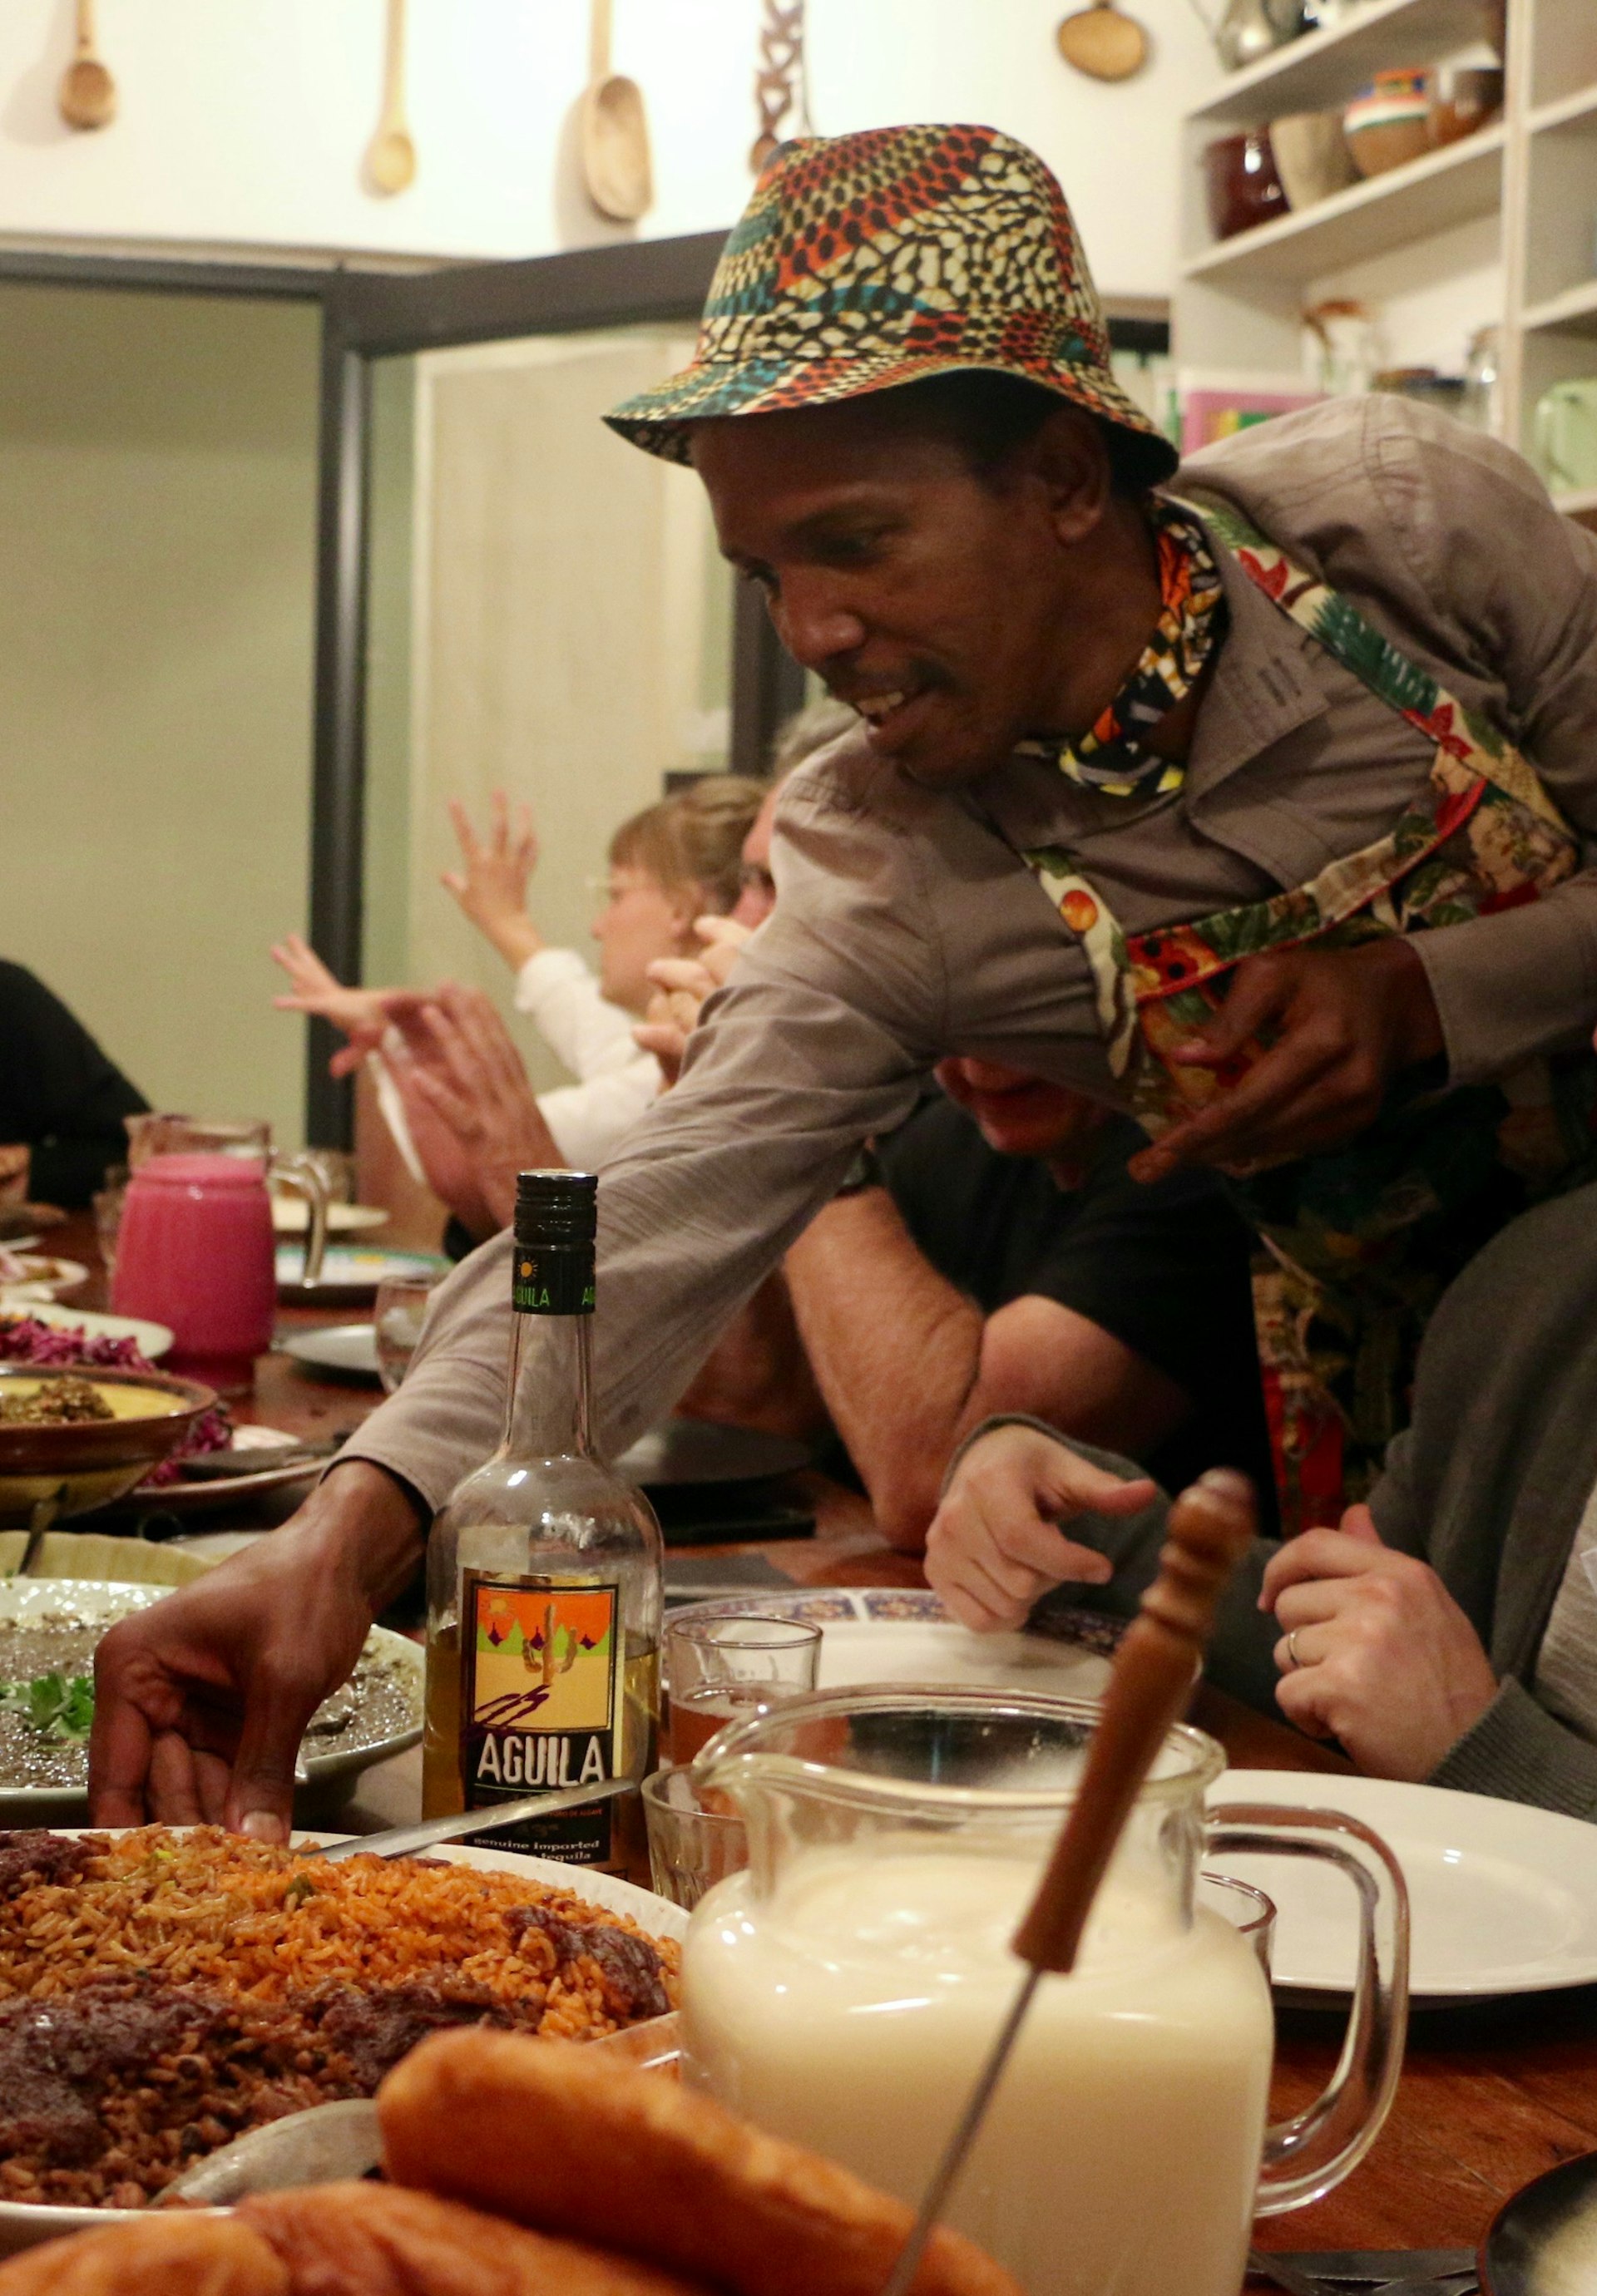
(368, 1526)
(894, 1349)
(516, 937)
(757, 1375)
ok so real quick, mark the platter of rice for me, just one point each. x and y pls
(162, 1990)
(49, 1628)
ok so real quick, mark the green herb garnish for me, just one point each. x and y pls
(60, 1708)
(301, 1888)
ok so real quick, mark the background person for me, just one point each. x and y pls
(669, 863)
(1446, 1632)
(63, 1101)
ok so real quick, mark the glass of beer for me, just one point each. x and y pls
(719, 1671)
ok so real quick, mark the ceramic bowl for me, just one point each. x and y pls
(47, 1473)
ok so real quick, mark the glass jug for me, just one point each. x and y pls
(844, 1991)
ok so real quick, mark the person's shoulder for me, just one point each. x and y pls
(1334, 476)
(1539, 1271)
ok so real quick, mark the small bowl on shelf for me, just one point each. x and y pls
(1387, 124)
(1470, 99)
(1244, 189)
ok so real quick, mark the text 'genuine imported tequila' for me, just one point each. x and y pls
(544, 1577)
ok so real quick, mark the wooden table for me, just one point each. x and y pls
(1491, 2095)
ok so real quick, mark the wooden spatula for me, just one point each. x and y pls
(1211, 1527)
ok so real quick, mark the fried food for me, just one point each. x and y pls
(200, 2255)
(369, 2240)
(638, 2163)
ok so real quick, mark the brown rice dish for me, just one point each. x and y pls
(161, 1992)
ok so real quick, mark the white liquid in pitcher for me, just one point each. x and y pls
(852, 2010)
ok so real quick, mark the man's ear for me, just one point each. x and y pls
(1070, 462)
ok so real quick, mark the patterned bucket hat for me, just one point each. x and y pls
(865, 261)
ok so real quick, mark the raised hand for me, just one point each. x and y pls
(491, 885)
(359, 1012)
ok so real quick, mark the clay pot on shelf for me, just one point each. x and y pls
(1387, 124)
(1244, 188)
(1470, 98)
(1312, 157)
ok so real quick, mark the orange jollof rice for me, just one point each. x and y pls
(205, 1908)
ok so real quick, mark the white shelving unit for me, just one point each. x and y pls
(1239, 302)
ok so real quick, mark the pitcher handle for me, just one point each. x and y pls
(1305, 2156)
(303, 1172)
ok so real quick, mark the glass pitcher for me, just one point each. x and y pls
(844, 1991)
(154, 1133)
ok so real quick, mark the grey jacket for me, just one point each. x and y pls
(1487, 1485)
(907, 927)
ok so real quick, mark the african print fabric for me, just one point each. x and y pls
(1359, 1240)
(1109, 756)
(866, 261)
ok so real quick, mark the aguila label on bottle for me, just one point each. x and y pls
(542, 1707)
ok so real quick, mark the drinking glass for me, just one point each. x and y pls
(692, 1844)
(108, 1203)
(398, 1314)
(717, 1670)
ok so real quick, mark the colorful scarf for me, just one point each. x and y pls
(1111, 757)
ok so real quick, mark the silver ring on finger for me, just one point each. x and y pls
(1293, 1661)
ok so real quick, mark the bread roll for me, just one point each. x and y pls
(545, 2132)
(157, 2256)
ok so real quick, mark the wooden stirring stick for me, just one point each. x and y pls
(1211, 1527)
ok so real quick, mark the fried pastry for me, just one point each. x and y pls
(157, 2256)
(541, 2131)
(370, 2240)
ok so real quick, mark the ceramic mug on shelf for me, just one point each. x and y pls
(1565, 435)
(1244, 188)
(1312, 157)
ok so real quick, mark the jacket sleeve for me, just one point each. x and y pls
(1519, 1752)
(833, 1014)
(1477, 531)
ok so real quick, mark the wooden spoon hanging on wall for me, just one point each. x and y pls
(391, 155)
(616, 165)
(1102, 43)
(88, 93)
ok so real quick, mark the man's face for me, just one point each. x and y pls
(758, 897)
(928, 597)
(1019, 1114)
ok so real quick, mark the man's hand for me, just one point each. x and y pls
(491, 884)
(1343, 1023)
(1381, 1656)
(993, 1548)
(201, 1701)
(474, 1115)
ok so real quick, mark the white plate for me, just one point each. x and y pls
(290, 1215)
(25, 2224)
(153, 1341)
(349, 1348)
(1502, 1898)
(200, 1495)
(109, 1600)
(42, 1277)
(352, 1271)
(903, 1634)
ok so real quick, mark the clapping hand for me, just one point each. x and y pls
(471, 1111)
(359, 1012)
(682, 985)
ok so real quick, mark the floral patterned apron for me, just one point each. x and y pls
(1359, 1241)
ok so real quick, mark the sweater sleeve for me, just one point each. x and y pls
(59, 1095)
(1519, 1753)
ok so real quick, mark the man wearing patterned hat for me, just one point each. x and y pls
(1206, 800)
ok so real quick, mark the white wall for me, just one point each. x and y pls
(158, 502)
(243, 122)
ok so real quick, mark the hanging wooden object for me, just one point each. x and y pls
(781, 93)
(1102, 43)
(88, 96)
(391, 155)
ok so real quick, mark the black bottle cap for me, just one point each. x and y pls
(556, 1208)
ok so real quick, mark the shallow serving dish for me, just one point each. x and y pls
(47, 1473)
(27, 2223)
(330, 1775)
